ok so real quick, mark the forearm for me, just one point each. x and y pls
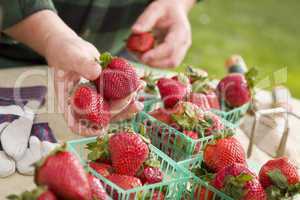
(36, 29)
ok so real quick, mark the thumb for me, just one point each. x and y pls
(148, 19)
(89, 69)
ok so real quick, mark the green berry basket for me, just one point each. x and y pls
(173, 185)
(198, 189)
(234, 116)
(151, 104)
(171, 141)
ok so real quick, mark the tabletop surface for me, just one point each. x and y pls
(41, 75)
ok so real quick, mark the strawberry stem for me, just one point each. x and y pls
(104, 59)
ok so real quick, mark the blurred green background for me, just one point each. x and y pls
(265, 32)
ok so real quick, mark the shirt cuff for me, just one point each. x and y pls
(14, 11)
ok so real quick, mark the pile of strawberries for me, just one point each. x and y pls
(117, 80)
(61, 176)
(190, 120)
(224, 166)
(125, 159)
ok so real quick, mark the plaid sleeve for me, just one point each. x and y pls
(14, 11)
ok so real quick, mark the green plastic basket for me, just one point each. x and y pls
(198, 189)
(173, 185)
(233, 116)
(151, 104)
(171, 141)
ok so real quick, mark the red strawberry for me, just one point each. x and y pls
(98, 192)
(151, 175)
(202, 193)
(88, 104)
(194, 136)
(238, 182)
(157, 196)
(62, 172)
(128, 152)
(200, 100)
(140, 42)
(213, 100)
(171, 91)
(124, 181)
(39, 193)
(118, 79)
(163, 115)
(281, 175)
(101, 168)
(215, 123)
(223, 152)
(235, 88)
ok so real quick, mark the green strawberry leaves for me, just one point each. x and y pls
(281, 190)
(150, 83)
(234, 185)
(98, 149)
(251, 77)
(202, 171)
(28, 195)
(104, 59)
(278, 179)
(195, 73)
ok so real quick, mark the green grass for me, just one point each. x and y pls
(265, 32)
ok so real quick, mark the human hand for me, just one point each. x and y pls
(73, 54)
(168, 19)
(119, 110)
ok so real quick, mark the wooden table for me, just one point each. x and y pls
(42, 76)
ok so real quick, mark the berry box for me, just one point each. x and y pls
(173, 185)
(198, 189)
(234, 116)
(171, 141)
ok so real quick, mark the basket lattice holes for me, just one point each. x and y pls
(233, 116)
(173, 185)
(197, 188)
(171, 141)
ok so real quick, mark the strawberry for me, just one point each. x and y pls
(213, 100)
(124, 181)
(151, 175)
(280, 178)
(200, 100)
(194, 136)
(163, 115)
(157, 196)
(171, 91)
(88, 104)
(128, 152)
(62, 172)
(140, 42)
(97, 190)
(235, 88)
(39, 193)
(202, 193)
(223, 152)
(101, 168)
(215, 123)
(238, 182)
(118, 78)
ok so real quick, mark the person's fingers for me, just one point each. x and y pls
(175, 45)
(148, 19)
(89, 68)
(161, 51)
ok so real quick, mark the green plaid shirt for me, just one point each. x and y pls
(105, 23)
